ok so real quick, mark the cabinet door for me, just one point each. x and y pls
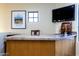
(65, 48)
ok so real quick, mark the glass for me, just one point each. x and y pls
(30, 19)
(35, 19)
(35, 14)
(30, 14)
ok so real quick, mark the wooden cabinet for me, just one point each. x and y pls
(40, 47)
(65, 48)
(30, 48)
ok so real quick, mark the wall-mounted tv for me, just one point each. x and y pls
(64, 14)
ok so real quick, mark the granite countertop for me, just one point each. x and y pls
(41, 37)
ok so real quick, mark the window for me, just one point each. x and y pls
(33, 16)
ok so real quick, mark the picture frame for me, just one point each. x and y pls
(18, 19)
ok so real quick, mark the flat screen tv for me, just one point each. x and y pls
(63, 14)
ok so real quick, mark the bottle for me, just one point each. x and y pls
(65, 34)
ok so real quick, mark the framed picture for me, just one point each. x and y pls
(18, 19)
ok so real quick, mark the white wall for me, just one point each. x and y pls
(2, 18)
(77, 41)
(45, 24)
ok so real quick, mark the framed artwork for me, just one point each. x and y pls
(18, 19)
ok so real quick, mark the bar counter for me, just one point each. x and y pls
(43, 45)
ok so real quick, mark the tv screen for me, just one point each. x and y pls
(63, 14)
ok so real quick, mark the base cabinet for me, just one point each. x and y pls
(65, 48)
(40, 47)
